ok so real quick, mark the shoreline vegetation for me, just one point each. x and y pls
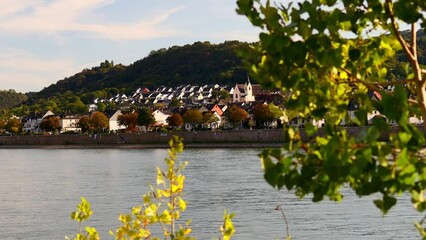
(256, 138)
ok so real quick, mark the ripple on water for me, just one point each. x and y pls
(39, 189)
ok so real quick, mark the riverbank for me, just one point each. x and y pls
(145, 146)
(201, 139)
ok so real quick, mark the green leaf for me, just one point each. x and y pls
(407, 11)
(354, 54)
(385, 204)
(310, 129)
(402, 158)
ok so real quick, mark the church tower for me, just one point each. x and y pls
(248, 89)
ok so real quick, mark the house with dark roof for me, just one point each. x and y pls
(32, 122)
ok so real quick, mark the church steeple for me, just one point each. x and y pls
(249, 97)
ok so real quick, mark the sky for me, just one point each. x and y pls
(44, 41)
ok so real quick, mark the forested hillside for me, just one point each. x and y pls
(10, 99)
(199, 63)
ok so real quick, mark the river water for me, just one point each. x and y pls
(39, 188)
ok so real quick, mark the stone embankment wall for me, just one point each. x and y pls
(231, 138)
(155, 139)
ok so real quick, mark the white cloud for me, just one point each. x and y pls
(25, 62)
(10, 8)
(72, 16)
(23, 82)
(24, 72)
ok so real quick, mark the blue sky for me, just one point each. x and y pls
(43, 41)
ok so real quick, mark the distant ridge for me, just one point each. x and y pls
(199, 63)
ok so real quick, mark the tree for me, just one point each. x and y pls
(236, 115)
(175, 120)
(75, 105)
(262, 115)
(145, 117)
(324, 54)
(175, 103)
(101, 106)
(193, 117)
(99, 122)
(84, 124)
(129, 120)
(209, 118)
(50, 124)
(14, 126)
(224, 94)
(2, 125)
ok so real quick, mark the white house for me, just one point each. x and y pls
(69, 123)
(415, 120)
(113, 121)
(160, 117)
(32, 122)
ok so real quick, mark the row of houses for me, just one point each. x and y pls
(195, 97)
(69, 123)
(186, 94)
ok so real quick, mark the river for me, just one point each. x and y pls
(39, 188)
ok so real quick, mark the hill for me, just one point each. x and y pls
(10, 99)
(199, 63)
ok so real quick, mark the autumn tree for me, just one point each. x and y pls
(2, 125)
(236, 115)
(145, 117)
(175, 120)
(51, 124)
(323, 55)
(129, 120)
(84, 124)
(99, 122)
(193, 117)
(262, 115)
(14, 126)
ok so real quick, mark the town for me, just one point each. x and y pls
(186, 107)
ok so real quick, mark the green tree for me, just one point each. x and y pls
(101, 107)
(145, 117)
(175, 120)
(236, 115)
(193, 117)
(99, 122)
(111, 106)
(224, 94)
(215, 94)
(50, 124)
(324, 54)
(209, 118)
(175, 103)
